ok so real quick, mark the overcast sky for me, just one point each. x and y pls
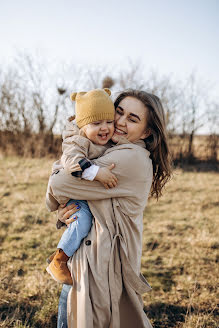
(171, 36)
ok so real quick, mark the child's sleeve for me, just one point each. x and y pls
(75, 148)
(75, 154)
(90, 173)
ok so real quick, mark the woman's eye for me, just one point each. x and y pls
(119, 111)
(132, 120)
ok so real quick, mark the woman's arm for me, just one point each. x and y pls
(131, 168)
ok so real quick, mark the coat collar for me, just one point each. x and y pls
(123, 141)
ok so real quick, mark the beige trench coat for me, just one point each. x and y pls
(107, 284)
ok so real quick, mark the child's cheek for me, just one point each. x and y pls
(112, 132)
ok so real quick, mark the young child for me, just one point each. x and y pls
(82, 142)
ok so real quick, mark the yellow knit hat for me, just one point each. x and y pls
(92, 106)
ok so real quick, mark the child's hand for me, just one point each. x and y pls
(106, 177)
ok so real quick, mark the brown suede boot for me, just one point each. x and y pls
(58, 268)
(49, 259)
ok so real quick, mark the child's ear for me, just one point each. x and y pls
(73, 96)
(77, 95)
(107, 91)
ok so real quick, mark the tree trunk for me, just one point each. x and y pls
(190, 147)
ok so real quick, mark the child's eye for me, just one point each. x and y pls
(96, 123)
(110, 122)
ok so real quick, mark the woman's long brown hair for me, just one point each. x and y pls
(156, 143)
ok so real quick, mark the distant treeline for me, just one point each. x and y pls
(34, 104)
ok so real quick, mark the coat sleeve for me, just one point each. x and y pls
(130, 169)
(74, 149)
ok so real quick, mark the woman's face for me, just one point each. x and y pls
(130, 120)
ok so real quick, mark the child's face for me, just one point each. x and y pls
(99, 132)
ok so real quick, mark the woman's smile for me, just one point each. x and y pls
(119, 131)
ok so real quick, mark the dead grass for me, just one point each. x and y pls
(180, 249)
(180, 256)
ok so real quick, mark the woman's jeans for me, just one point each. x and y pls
(62, 309)
(77, 230)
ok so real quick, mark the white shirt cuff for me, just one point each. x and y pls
(90, 172)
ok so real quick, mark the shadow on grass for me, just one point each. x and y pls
(166, 315)
(159, 278)
(163, 315)
(195, 165)
(25, 312)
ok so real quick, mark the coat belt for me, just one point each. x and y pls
(138, 283)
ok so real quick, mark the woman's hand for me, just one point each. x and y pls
(64, 212)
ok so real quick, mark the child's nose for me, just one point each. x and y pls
(104, 126)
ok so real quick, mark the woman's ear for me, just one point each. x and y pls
(146, 134)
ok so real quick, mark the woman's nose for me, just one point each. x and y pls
(121, 120)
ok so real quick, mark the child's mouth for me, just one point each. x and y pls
(103, 136)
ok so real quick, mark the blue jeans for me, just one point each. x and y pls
(77, 230)
(62, 309)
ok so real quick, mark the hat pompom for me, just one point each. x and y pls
(107, 91)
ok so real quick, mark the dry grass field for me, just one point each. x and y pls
(180, 249)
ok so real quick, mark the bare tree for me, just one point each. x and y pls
(12, 103)
(131, 76)
(26, 109)
(194, 110)
(213, 137)
(34, 103)
(170, 93)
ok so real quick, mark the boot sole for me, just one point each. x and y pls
(52, 275)
(48, 260)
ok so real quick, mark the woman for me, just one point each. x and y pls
(106, 268)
